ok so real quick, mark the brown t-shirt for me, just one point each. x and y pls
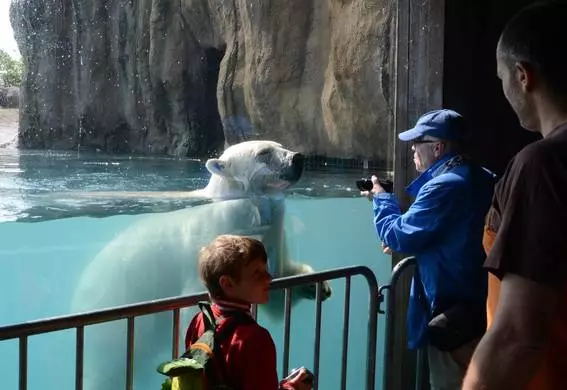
(531, 202)
(529, 213)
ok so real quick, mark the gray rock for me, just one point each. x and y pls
(9, 97)
(185, 77)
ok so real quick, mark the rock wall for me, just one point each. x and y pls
(182, 77)
(9, 97)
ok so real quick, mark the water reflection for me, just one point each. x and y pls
(44, 185)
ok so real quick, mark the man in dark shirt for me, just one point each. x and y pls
(526, 342)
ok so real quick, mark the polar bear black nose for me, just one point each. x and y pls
(297, 159)
(293, 171)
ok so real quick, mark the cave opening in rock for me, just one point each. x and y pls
(212, 133)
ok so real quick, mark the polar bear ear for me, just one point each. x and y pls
(216, 167)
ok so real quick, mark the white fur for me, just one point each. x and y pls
(156, 258)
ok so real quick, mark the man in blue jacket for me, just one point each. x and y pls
(443, 228)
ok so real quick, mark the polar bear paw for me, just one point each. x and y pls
(309, 291)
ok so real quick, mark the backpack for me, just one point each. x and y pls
(200, 368)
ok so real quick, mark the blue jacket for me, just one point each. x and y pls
(443, 228)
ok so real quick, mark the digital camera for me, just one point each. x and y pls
(365, 184)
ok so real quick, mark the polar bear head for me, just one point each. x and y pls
(253, 167)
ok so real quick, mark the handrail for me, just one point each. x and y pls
(399, 269)
(23, 330)
(53, 324)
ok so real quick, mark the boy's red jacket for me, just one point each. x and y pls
(249, 353)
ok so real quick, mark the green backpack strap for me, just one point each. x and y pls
(211, 322)
(194, 360)
(221, 327)
(202, 357)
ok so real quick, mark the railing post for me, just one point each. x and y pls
(23, 369)
(372, 332)
(130, 355)
(393, 316)
(317, 344)
(346, 317)
(175, 338)
(287, 321)
(79, 348)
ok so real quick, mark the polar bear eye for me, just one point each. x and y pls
(264, 155)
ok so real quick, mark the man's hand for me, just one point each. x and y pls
(386, 249)
(377, 189)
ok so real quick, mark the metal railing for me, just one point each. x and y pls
(24, 330)
(399, 270)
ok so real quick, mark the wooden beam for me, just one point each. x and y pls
(419, 88)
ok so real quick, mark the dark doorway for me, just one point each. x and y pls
(470, 86)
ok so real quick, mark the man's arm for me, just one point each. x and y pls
(510, 352)
(425, 220)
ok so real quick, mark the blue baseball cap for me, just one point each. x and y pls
(444, 124)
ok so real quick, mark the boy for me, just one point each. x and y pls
(234, 271)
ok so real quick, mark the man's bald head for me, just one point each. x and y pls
(536, 37)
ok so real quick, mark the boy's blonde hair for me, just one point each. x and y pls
(227, 255)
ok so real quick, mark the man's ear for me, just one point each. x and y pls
(439, 149)
(216, 167)
(524, 74)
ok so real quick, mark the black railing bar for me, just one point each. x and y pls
(372, 333)
(346, 317)
(175, 338)
(287, 322)
(130, 355)
(336, 273)
(317, 346)
(99, 316)
(23, 368)
(79, 359)
(155, 306)
(397, 272)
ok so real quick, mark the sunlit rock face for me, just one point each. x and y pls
(185, 77)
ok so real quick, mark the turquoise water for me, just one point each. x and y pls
(48, 239)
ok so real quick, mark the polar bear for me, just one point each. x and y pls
(156, 257)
